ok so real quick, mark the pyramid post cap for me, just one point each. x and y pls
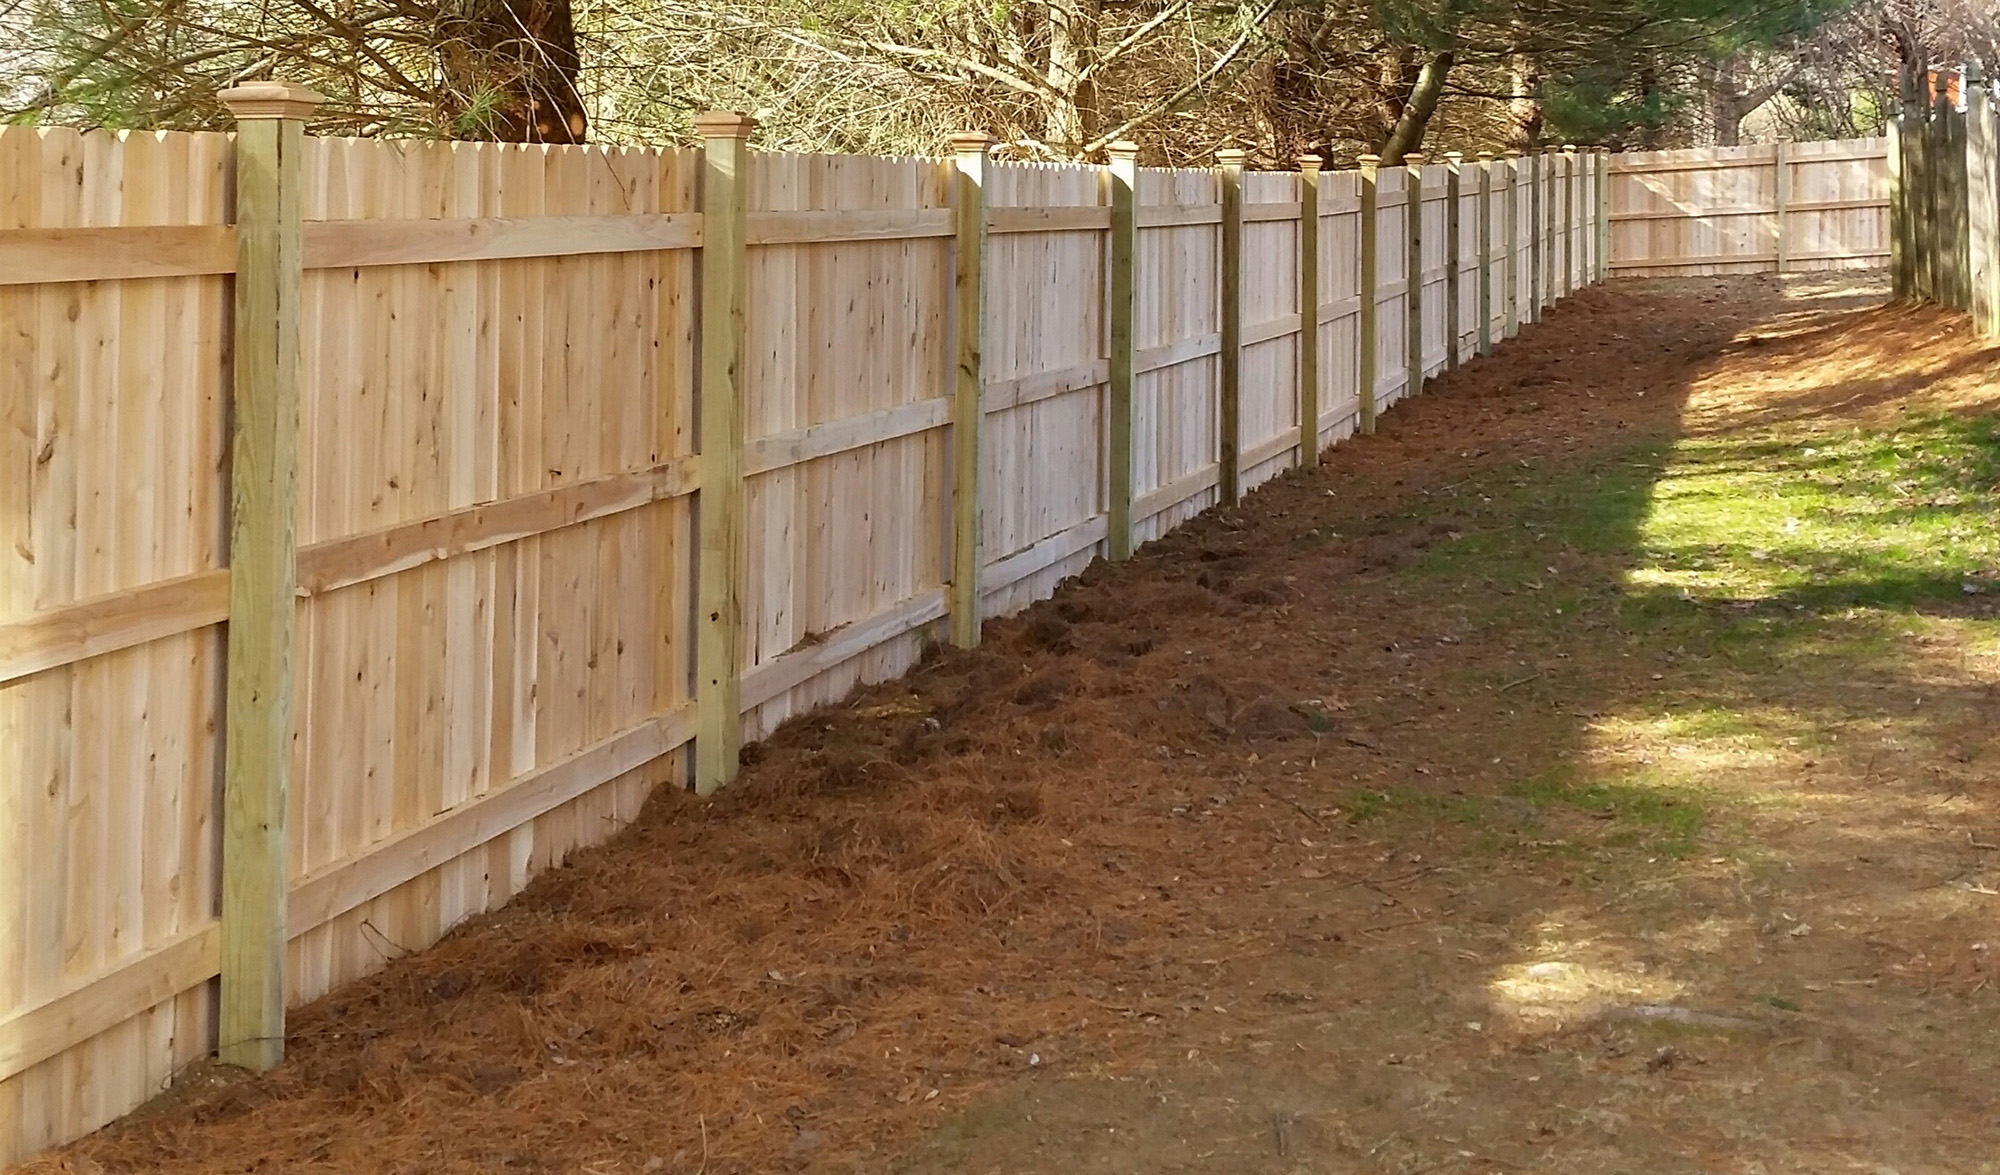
(270, 99)
(724, 124)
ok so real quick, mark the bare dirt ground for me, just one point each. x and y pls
(1591, 772)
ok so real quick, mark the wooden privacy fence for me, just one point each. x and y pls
(1773, 208)
(522, 479)
(1945, 164)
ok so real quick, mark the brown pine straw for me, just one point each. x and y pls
(905, 900)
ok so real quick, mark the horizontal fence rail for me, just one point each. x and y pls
(522, 480)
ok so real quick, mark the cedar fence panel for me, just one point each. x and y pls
(1716, 210)
(1433, 267)
(1340, 306)
(1046, 376)
(1271, 324)
(501, 463)
(1392, 288)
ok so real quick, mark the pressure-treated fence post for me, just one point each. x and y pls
(1603, 213)
(1937, 237)
(1229, 416)
(1536, 208)
(1982, 202)
(1567, 285)
(1899, 249)
(1961, 207)
(1552, 288)
(1975, 235)
(1365, 349)
(968, 151)
(1511, 289)
(263, 568)
(1486, 252)
(1309, 310)
(1782, 188)
(1965, 166)
(1413, 272)
(719, 622)
(1590, 189)
(1454, 163)
(1123, 179)
(1918, 205)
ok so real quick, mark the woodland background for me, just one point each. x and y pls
(1054, 79)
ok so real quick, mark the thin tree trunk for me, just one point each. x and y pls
(1395, 78)
(1408, 133)
(1524, 109)
(1072, 118)
(1724, 109)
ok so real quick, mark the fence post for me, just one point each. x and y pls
(1413, 272)
(1365, 348)
(1982, 202)
(1961, 202)
(725, 205)
(1931, 219)
(1533, 161)
(1569, 212)
(1603, 213)
(1486, 252)
(1511, 279)
(263, 568)
(1454, 162)
(1579, 221)
(1309, 310)
(1919, 207)
(1899, 252)
(968, 151)
(1592, 188)
(1123, 178)
(1230, 161)
(1552, 288)
(1781, 161)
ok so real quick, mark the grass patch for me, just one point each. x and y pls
(1858, 518)
(1374, 804)
(1652, 816)
(1723, 595)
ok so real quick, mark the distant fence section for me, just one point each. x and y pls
(382, 520)
(1945, 164)
(1772, 208)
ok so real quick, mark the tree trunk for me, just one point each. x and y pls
(1408, 133)
(1072, 118)
(1524, 109)
(1726, 112)
(511, 71)
(1395, 77)
(1732, 104)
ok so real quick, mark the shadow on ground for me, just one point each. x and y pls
(1675, 785)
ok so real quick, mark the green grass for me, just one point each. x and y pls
(1711, 603)
(1859, 518)
(1650, 812)
(1364, 806)
(1740, 544)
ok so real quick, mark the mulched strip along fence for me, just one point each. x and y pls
(1007, 856)
(494, 630)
